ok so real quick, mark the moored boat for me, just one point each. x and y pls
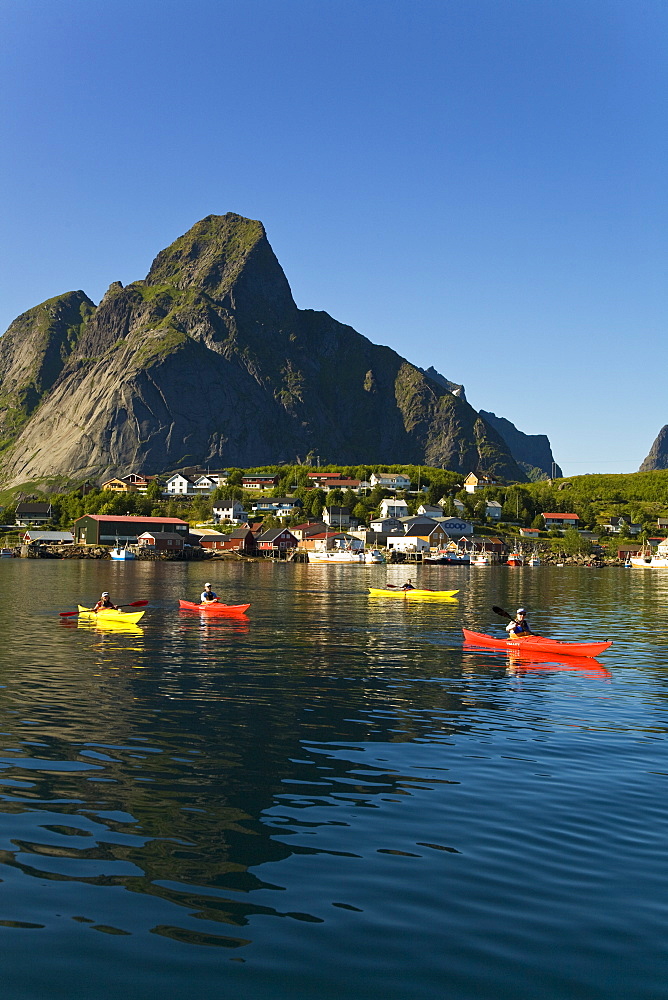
(448, 558)
(515, 559)
(338, 556)
(373, 557)
(537, 643)
(6, 552)
(648, 562)
(214, 607)
(651, 560)
(121, 555)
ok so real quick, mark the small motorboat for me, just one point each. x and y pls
(120, 553)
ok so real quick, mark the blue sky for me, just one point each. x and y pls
(479, 184)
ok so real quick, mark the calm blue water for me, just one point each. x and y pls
(330, 797)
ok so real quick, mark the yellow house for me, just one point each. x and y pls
(475, 482)
(118, 486)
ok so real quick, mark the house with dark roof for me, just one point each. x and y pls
(30, 512)
(108, 529)
(161, 541)
(561, 520)
(276, 541)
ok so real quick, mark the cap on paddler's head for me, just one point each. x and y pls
(207, 584)
(105, 593)
(521, 611)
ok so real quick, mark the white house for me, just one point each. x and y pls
(204, 485)
(336, 517)
(616, 525)
(179, 485)
(430, 510)
(458, 505)
(384, 525)
(493, 509)
(229, 510)
(390, 480)
(390, 507)
(279, 506)
(407, 543)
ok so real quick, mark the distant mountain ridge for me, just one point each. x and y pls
(532, 452)
(208, 360)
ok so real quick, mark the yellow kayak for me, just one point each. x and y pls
(416, 593)
(110, 615)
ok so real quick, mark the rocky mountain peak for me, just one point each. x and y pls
(230, 259)
(658, 453)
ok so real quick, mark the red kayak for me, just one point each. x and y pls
(214, 607)
(537, 644)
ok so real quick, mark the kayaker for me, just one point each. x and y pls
(208, 594)
(519, 625)
(408, 585)
(104, 602)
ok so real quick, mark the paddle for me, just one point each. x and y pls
(504, 614)
(135, 604)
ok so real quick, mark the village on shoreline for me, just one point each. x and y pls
(403, 514)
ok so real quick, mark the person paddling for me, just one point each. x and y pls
(207, 595)
(105, 602)
(408, 585)
(519, 625)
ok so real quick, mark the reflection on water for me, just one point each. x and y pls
(331, 797)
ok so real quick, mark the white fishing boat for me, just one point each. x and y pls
(6, 552)
(481, 559)
(373, 557)
(652, 560)
(120, 554)
(534, 560)
(337, 556)
(649, 562)
(515, 559)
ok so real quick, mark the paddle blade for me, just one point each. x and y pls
(135, 604)
(68, 614)
(504, 614)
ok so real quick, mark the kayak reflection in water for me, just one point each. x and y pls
(519, 625)
(408, 585)
(104, 602)
(208, 594)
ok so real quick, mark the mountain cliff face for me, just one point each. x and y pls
(209, 360)
(658, 453)
(532, 452)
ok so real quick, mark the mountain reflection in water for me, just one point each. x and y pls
(332, 798)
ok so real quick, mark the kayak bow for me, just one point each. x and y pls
(536, 643)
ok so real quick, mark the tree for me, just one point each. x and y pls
(574, 544)
(154, 490)
(360, 512)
